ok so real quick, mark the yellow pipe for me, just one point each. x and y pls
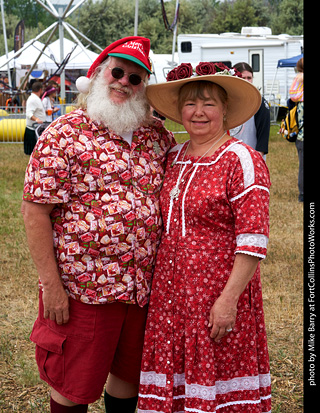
(12, 130)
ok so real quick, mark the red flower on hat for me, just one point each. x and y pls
(185, 70)
(220, 67)
(182, 71)
(172, 75)
(205, 68)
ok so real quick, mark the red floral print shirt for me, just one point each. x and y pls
(106, 222)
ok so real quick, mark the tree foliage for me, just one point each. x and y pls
(107, 20)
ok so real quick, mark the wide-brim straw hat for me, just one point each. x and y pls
(244, 99)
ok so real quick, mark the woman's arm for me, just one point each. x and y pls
(224, 311)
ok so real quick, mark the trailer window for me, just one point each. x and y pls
(255, 62)
(186, 47)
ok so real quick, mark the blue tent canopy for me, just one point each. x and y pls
(36, 73)
(291, 62)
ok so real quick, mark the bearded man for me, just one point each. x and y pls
(93, 224)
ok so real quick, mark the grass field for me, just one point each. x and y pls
(282, 278)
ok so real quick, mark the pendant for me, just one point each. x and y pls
(174, 193)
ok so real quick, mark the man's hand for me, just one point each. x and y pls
(56, 305)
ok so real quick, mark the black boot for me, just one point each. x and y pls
(115, 405)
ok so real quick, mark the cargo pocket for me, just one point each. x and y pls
(49, 352)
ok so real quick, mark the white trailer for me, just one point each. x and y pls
(254, 45)
(161, 65)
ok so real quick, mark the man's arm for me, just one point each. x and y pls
(40, 240)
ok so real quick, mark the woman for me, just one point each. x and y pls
(48, 99)
(297, 96)
(255, 132)
(205, 346)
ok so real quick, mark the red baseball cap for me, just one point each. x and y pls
(133, 48)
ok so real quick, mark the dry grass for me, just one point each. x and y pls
(20, 388)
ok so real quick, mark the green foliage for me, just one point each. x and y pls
(11, 21)
(30, 11)
(105, 21)
(290, 18)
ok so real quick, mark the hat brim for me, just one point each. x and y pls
(244, 99)
(132, 59)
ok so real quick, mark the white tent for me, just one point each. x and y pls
(27, 57)
(79, 59)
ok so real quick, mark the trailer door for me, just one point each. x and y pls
(257, 64)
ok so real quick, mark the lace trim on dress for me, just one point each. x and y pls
(246, 164)
(252, 240)
(248, 190)
(253, 254)
(151, 377)
(191, 409)
(220, 406)
(207, 392)
(172, 200)
(183, 202)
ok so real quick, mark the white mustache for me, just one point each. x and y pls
(120, 88)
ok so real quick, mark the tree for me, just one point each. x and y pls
(290, 18)
(105, 21)
(30, 11)
(11, 23)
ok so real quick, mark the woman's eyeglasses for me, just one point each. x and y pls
(118, 73)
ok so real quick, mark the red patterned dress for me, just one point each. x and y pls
(222, 209)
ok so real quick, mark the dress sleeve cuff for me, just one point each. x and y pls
(252, 244)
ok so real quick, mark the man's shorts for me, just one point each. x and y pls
(76, 358)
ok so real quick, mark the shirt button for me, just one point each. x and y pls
(169, 282)
(170, 262)
(168, 381)
(175, 220)
(169, 301)
(169, 322)
(168, 362)
(168, 341)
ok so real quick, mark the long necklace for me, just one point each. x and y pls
(175, 191)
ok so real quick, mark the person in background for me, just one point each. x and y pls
(297, 96)
(205, 347)
(93, 223)
(48, 99)
(255, 132)
(6, 82)
(35, 114)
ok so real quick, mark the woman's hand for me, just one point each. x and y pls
(224, 311)
(222, 318)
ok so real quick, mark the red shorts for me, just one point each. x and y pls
(76, 358)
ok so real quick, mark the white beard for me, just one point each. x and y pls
(122, 117)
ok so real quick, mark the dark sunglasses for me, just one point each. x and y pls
(118, 73)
